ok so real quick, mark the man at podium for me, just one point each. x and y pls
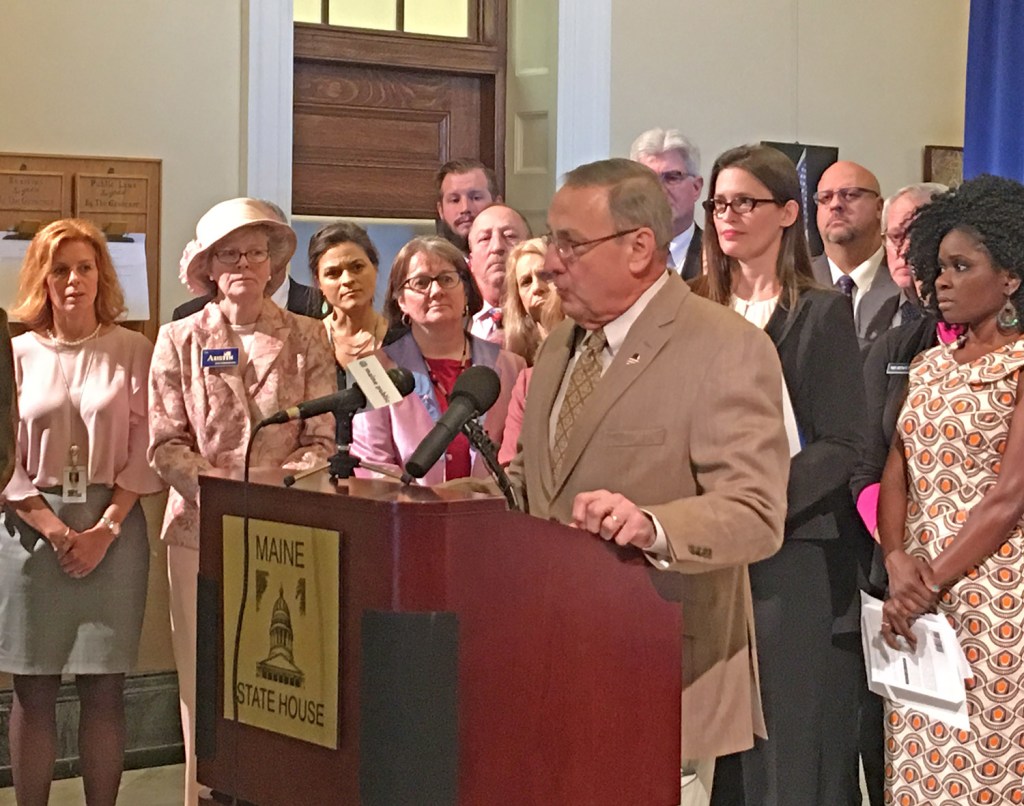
(654, 419)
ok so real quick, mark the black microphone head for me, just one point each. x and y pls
(403, 380)
(480, 385)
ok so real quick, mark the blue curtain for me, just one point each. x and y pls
(994, 115)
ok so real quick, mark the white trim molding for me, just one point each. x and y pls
(269, 71)
(584, 83)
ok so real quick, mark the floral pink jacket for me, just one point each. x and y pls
(200, 418)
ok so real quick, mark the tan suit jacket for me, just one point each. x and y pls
(687, 423)
(8, 405)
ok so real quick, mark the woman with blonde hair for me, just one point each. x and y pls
(530, 307)
(74, 555)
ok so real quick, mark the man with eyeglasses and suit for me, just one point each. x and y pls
(676, 161)
(654, 419)
(849, 204)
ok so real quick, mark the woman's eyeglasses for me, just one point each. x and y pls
(230, 257)
(421, 282)
(740, 205)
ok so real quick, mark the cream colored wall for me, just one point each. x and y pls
(131, 78)
(879, 79)
(135, 78)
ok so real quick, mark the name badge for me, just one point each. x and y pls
(897, 368)
(220, 357)
(75, 480)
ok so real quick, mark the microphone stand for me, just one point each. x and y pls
(487, 449)
(343, 464)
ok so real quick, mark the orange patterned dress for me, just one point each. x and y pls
(954, 427)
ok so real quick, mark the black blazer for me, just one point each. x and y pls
(302, 299)
(885, 385)
(821, 364)
(8, 405)
(820, 358)
(692, 266)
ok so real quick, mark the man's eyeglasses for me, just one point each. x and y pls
(673, 178)
(421, 282)
(230, 257)
(568, 249)
(848, 195)
(895, 239)
(740, 205)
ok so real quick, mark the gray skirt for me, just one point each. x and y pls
(51, 623)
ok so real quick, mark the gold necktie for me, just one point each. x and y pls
(585, 375)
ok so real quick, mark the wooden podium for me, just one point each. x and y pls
(486, 657)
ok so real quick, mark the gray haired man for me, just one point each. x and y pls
(676, 161)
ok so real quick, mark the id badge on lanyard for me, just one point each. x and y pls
(75, 479)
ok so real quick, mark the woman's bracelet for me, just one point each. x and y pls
(111, 524)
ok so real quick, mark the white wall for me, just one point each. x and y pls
(877, 78)
(131, 78)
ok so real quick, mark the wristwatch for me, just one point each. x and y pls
(112, 525)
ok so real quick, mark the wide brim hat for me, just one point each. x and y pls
(220, 221)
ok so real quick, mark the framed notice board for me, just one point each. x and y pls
(121, 195)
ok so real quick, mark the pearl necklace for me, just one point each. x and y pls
(54, 339)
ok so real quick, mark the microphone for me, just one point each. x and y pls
(474, 392)
(346, 400)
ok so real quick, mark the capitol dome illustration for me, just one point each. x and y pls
(279, 666)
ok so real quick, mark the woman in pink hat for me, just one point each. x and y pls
(216, 373)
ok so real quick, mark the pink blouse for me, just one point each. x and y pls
(103, 408)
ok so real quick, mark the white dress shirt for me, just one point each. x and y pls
(679, 246)
(863, 275)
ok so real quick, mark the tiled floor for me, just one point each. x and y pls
(156, 786)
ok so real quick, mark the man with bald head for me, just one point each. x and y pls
(494, 232)
(849, 219)
(654, 419)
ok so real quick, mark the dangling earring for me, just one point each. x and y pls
(1008, 317)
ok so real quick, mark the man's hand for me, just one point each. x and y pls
(611, 516)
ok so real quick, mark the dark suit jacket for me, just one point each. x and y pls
(803, 595)
(885, 381)
(875, 309)
(687, 423)
(692, 263)
(302, 299)
(8, 405)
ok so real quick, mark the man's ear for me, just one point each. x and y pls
(698, 184)
(643, 250)
(498, 199)
(439, 214)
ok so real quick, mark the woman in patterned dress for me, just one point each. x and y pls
(951, 506)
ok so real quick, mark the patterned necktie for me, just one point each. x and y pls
(846, 285)
(585, 375)
(494, 314)
(909, 312)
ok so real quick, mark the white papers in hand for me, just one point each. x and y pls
(930, 679)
